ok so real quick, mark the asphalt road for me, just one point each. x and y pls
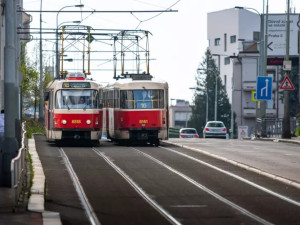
(164, 185)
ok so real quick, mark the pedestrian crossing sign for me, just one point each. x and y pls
(287, 84)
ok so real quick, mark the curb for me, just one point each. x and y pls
(277, 140)
(244, 166)
(36, 201)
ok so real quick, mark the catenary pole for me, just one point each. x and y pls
(10, 145)
(41, 108)
(286, 127)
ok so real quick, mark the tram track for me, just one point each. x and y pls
(157, 156)
(81, 194)
(207, 190)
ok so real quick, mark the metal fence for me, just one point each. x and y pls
(18, 167)
(273, 126)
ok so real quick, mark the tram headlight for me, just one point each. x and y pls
(88, 122)
(64, 122)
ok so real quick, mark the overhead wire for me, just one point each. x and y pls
(141, 21)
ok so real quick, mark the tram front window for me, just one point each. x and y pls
(76, 99)
(142, 99)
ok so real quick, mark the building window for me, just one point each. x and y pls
(256, 35)
(233, 39)
(225, 42)
(226, 60)
(217, 41)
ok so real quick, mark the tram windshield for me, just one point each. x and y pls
(142, 99)
(76, 99)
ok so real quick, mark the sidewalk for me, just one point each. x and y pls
(29, 211)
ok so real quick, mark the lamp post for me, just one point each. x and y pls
(57, 65)
(206, 108)
(41, 108)
(263, 59)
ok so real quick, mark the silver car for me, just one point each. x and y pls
(215, 129)
(188, 133)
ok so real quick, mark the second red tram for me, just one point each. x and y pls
(136, 110)
(72, 109)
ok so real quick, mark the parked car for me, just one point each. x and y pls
(214, 129)
(188, 133)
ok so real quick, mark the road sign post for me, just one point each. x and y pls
(264, 88)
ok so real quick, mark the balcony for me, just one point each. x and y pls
(271, 113)
(249, 85)
(249, 112)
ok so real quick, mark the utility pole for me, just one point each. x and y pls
(41, 108)
(286, 126)
(10, 144)
(298, 24)
(263, 104)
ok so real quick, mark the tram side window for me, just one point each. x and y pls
(116, 99)
(109, 99)
(100, 99)
(126, 100)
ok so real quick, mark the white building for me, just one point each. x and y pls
(236, 32)
(224, 30)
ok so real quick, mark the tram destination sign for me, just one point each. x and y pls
(76, 85)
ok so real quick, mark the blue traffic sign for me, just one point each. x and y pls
(264, 88)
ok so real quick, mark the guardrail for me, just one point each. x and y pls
(274, 126)
(17, 167)
(173, 132)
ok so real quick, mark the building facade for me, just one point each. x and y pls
(235, 44)
(179, 114)
(225, 31)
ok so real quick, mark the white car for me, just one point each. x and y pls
(214, 129)
(188, 133)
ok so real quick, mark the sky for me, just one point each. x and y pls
(178, 41)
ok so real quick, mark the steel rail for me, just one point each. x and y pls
(207, 190)
(236, 177)
(158, 208)
(83, 198)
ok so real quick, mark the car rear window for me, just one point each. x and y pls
(188, 131)
(215, 125)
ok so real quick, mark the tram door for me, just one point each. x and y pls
(50, 114)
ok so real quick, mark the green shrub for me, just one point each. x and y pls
(33, 126)
(297, 132)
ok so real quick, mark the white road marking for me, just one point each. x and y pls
(84, 200)
(138, 189)
(189, 206)
(217, 196)
(236, 177)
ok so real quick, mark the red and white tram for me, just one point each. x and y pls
(136, 110)
(72, 109)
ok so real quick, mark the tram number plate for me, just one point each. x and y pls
(143, 122)
(76, 121)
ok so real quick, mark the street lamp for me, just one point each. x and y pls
(263, 58)
(57, 66)
(206, 113)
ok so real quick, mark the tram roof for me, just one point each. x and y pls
(139, 84)
(57, 83)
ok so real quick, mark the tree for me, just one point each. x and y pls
(205, 96)
(30, 83)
